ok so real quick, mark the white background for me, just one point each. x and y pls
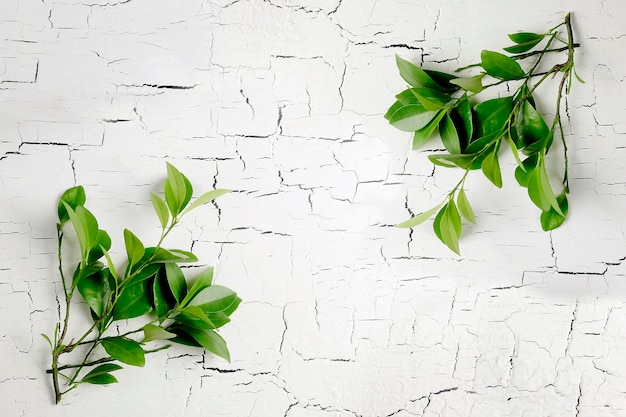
(282, 101)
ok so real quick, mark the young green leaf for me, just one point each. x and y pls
(419, 219)
(176, 281)
(411, 118)
(214, 299)
(160, 208)
(124, 350)
(501, 66)
(103, 242)
(152, 332)
(392, 109)
(491, 167)
(73, 197)
(447, 226)
(414, 75)
(464, 206)
(525, 37)
(101, 379)
(178, 190)
(194, 318)
(540, 190)
(205, 198)
(550, 219)
(464, 161)
(522, 47)
(79, 228)
(407, 97)
(134, 248)
(449, 135)
(204, 280)
(420, 137)
(472, 84)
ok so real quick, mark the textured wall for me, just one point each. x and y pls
(282, 101)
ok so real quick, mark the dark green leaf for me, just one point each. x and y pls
(443, 81)
(134, 248)
(420, 137)
(550, 219)
(492, 116)
(472, 84)
(394, 107)
(501, 66)
(73, 197)
(176, 281)
(167, 256)
(464, 206)
(124, 350)
(449, 135)
(420, 218)
(522, 173)
(491, 167)
(211, 341)
(133, 301)
(411, 118)
(524, 37)
(430, 98)
(462, 117)
(529, 125)
(414, 75)
(160, 208)
(407, 97)
(161, 300)
(142, 274)
(100, 375)
(96, 289)
(182, 335)
(204, 280)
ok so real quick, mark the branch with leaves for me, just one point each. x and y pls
(152, 286)
(473, 132)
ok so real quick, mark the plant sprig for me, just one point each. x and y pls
(473, 131)
(152, 286)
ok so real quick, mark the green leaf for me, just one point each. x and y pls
(102, 379)
(160, 208)
(211, 341)
(160, 292)
(393, 108)
(462, 117)
(205, 198)
(529, 125)
(411, 118)
(167, 256)
(464, 206)
(491, 167)
(420, 137)
(449, 135)
(419, 219)
(133, 301)
(152, 332)
(407, 97)
(522, 172)
(103, 242)
(492, 116)
(443, 81)
(431, 99)
(414, 75)
(550, 219)
(214, 299)
(204, 280)
(501, 66)
(90, 225)
(134, 248)
(176, 281)
(522, 47)
(178, 190)
(124, 350)
(540, 190)
(464, 161)
(100, 375)
(547, 189)
(472, 84)
(73, 197)
(194, 318)
(447, 226)
(143, 273)
(525, 37)
(96, 289)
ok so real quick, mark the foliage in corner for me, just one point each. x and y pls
(472, 131)
(151, 286)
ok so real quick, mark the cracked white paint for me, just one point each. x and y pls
(282, 101)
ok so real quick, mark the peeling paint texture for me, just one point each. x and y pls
(282, 102)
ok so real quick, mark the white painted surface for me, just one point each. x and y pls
(282, 101)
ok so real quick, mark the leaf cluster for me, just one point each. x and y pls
(473, 132)
(152, 285)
